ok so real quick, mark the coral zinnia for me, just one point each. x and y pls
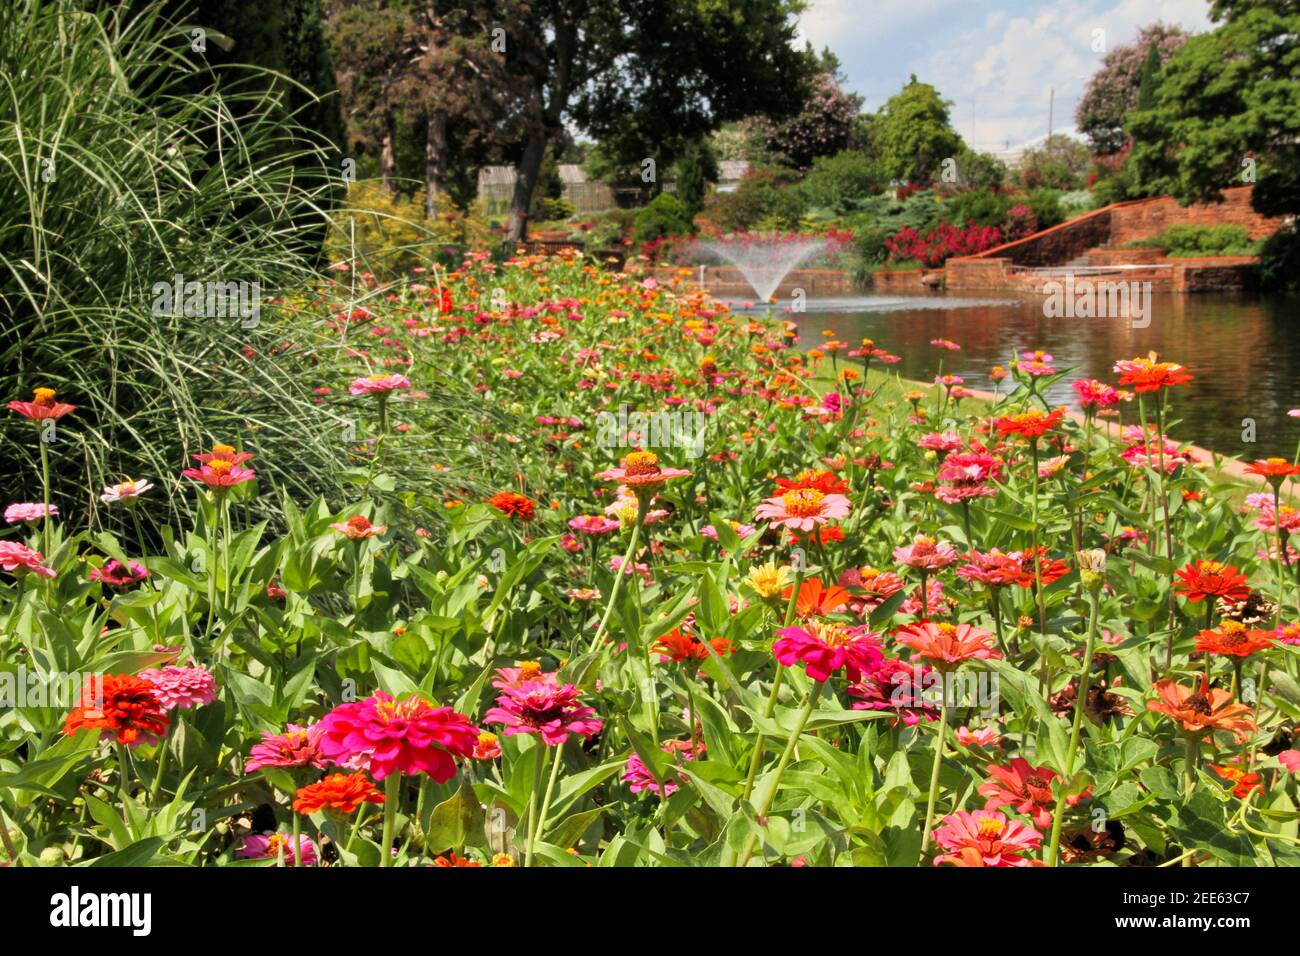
(640, 471)
(1232, 639)
(339, 791)
(381, 385)
(387, 736)
(358, 528)
(1026, 788)
(985, 838)
(824, 481)
(816, 598)
(926, 554)
(824, 648)
(42, 406)
(947, 645)
(1274, 470)
(18, 558)
(122, 707)
(513, 505)
(1203, 709)
(296, 747)
(803, 509)
(220, 473)
(1148, 375)
(1202, 579)
(1243, 782)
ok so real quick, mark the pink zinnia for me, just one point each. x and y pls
(270, 846)
(926, 554)
(593, 525)
(220, 473)
(803, 509)
(983, 737)
(29, 512)
(895, 686)
(941, 441)
(946, 645)
(382, 385)
(985, 838)
(993, 569)
(824, 648)
(387, 736)
(19, 559)
(295, 747)
(182, 686)
(114, 574)
(545, 708)
(358, 528)
(638, 777)
(1093, 394)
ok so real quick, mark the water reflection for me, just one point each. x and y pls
(1243, 351)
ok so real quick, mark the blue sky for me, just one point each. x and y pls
(995, 59)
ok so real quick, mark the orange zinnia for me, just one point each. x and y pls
(679, 646)
(824, 481)
(1148, 375)
(1232, 639)
(1029, 424)
(1199, 710)
(340, 791)
(513, 505)
(121, 706)
(1274, 470)
(817, 598)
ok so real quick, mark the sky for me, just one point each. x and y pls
(996, 60)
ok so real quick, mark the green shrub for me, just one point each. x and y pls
(666, 215)
(1046, 206)
(1188, 241)
(984, 207)
(840, 182)
(1279, 261)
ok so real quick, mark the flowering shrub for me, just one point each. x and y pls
(942, 243)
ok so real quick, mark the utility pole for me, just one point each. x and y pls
(1051, 104)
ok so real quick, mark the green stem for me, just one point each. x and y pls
(786, 756)
(1080, 704)
(392, 794)
(934, 776)
(540, 825)
(642, 506)
(538, 769)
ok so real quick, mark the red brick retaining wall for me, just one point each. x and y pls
(1132, 222)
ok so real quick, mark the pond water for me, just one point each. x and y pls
(1243, 350)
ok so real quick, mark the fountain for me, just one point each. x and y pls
(763, 262)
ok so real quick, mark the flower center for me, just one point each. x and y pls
(832, 635)
(641, 463)
(803, 502)
(220, 466)
(529, 670)
(1198, 703)
(359, 523)
(43, 396)
(990, 828)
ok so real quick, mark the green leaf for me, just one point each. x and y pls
(455, 820)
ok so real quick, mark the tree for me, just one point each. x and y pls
(912, 134)
(696, 167)
(1113, 90)
(823, 127)
(1227, 111)
(1060, 162)
(643, 78)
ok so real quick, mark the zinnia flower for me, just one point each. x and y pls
(386, 736)
(824, 648)
(358, 528)
(986, 838)
(947, 645)
(270, 846)
(1243, 782)
(678, 646)
(114, 574)
(343, 792)
(1202, 579)
(1033, 424)
(513, 505)
(220, 473)
(1026, 788)
(641, 472)
(815, 598)
(594, 525)
(1274, 470)
(182, 686)
(29, 512)
(126, 491)
(1148, 375)
(295, 747)
(803, 509)
(1198, 711)
(926, 554)
(768, 580)
(1093, 394)
(42, 406)
(544, 708)
(1233, 639)
(639, 778)
(19, 559)
(121, 707)
(381, 385)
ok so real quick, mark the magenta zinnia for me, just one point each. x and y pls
(540, 705)
(387, 736)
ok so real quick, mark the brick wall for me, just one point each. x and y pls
(1056, 245)
(906, 281)
(1130, 222)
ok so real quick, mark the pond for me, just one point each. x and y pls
(1243, 350)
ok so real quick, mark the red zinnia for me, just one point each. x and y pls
(1029, 424)
(1233, 639)
(42, 406)
(513, 505)
(121, 706)
(1148, 375)
(1202, 579)
(678, 646)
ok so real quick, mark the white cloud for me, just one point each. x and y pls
(997, 65)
